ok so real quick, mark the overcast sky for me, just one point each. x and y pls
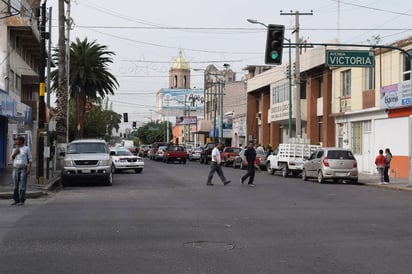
(147, 35)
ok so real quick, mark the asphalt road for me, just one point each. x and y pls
(166, 220)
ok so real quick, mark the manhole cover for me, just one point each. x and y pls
(210, 245)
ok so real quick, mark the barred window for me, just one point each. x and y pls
(346, 83)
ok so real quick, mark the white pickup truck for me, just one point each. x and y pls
(289, 158)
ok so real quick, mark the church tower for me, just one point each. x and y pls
(179, 73)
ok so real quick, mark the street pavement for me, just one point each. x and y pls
(35, 190)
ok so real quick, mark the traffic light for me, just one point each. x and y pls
(125, 117)
(134, 126)
(274, 44)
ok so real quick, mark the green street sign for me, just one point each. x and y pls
(350, 58)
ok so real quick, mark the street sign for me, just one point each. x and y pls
(350, 58)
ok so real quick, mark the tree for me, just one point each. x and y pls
(152, 132)
(90, 78)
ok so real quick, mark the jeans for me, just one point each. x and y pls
(381, 171)
(386, 174)
(250, 173)
(215, 168)
(20, 183)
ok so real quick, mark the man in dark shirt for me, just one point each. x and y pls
(249, 158)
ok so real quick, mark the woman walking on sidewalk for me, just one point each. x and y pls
(380, 162)
(388, 157)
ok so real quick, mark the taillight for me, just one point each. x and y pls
(326, 162)
(355, 164)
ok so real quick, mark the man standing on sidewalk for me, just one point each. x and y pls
(216, 167)
(249, 158)
(22, 160)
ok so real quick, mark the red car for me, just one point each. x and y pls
(228, 155)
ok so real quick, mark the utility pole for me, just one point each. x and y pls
(42, 106)
(47, 126)
(62, 92)
(297, 69)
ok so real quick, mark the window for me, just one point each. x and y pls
(369, 78)
(320, 94)
(303, 89)
(346, 83)
(357, 137)
(11, 81)
(184, 82)
(406, 73)
(320, 121)
(175, 81)
(280, 94)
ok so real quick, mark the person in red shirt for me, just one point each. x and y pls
(380, 162)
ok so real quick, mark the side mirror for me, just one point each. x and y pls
(112, 153)
(63, 153)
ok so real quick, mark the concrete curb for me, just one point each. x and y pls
(390, 187)
(34, 194)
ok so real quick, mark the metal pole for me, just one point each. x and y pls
(410, 127)
(290, 90)
(68, 23)
(222, 88)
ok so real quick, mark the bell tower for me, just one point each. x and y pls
(179, 73)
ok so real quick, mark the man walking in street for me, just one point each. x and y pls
(249, 158)
(216, 167)
(22, 160)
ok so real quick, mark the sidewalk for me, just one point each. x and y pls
(395, 183)
(34, 190)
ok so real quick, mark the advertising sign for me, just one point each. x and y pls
(186, 120)
(396, 95)
(183, 99)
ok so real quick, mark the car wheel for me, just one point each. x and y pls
(109, 180)
(320, 177)
(269, 169)
(114, 170)
(304, 176)
(201, 160)
(355, 181)
(285, 170)
(138, 170)
(184, 162)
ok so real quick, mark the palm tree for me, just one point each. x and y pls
(90, 78)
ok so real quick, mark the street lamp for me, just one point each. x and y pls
(254, 21)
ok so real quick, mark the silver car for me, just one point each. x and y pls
(85, 160)
(331, 163)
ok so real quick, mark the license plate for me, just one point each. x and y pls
(178, 158)
(340, 174)
(86, 171)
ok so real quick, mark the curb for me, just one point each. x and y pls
(34, 194)
(396, 188)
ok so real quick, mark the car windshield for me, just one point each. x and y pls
(340, 154)
(123, 152)
(87, 148)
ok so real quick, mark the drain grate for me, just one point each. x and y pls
(210, 245)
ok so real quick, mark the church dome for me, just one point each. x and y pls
(180, 62)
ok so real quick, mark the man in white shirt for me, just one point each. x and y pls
(216, 167)
(22, 160)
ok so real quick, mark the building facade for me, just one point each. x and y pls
(19, 82)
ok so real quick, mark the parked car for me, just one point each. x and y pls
(153, 149)
(238, 160)
(123, 159)
(289, 158)
(330, 163)
(160, 152)
(175, 153)
(228, 155)
(144, 150)
(206, 155)
(85, 160)
(195, 154)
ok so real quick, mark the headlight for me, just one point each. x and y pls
(68, 163)
(105, 162)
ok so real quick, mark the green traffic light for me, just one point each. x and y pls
(274, 55)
